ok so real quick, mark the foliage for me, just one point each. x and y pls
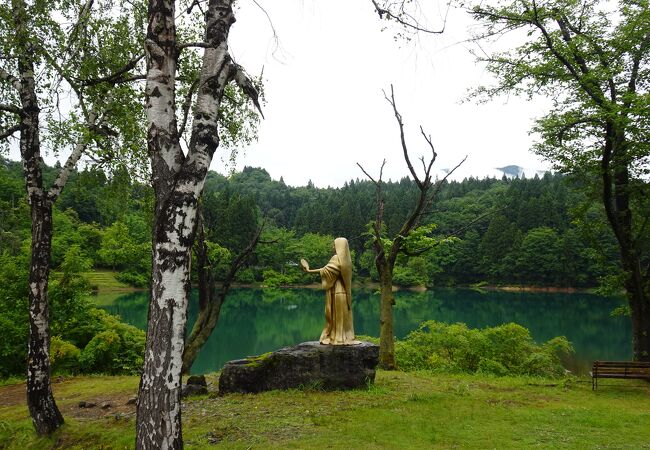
(545, 233)
(64, 356)
(504, 350)
(79, 329)
(117, 349)
(276, 279)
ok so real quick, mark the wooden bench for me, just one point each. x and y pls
(619, 369)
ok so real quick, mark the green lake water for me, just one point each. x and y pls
(255, 321)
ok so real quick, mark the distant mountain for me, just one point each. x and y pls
(513, 171)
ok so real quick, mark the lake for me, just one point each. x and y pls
(255, 321)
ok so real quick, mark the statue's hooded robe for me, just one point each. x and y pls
(336, 278)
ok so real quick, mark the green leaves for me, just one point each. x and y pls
(507, 349)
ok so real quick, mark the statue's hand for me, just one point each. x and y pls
(304, 264)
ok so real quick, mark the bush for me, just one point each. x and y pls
(407, 277)
(504, 350)
(108, 345)
(273, 278)
(64, 356)
(134, 278)
(246, 275)
(118, 349)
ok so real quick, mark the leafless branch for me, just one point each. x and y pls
(381, 170)
(447, 175)
(276, 39)
(413, 24)
(434, 155)
(398, 117)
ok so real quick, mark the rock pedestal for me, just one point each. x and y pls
(310, 364)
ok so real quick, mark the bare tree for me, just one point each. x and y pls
(386, 254)
(178, 180)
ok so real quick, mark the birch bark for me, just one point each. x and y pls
(46, 416)
(178, 183)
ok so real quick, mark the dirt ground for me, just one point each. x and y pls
(106, 404)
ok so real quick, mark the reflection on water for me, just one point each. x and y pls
(255, 321)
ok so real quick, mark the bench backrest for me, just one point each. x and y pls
(621, 367)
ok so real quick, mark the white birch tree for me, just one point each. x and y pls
(50, 51)
(178, 178)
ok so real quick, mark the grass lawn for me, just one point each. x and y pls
(402, 410)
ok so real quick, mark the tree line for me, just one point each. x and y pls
(531, 231)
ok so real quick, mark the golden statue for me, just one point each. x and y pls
(336, 279)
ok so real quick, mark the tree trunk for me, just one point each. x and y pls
(46, 417)
(202, 330)
(639, 302)
(211, 300)
(616, 199)
(209, 303)
(386, 333)
(42, 407)
(178, 181)
(159, 403)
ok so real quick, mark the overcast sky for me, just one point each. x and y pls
(325, 107)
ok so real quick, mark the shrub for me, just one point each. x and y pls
(491, 367)
(503, 350)
(407, 277)
(119, 348)
(246, 275)
(134, 278)
(64, 356)
(273, 278)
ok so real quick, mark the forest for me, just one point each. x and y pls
(522, 231)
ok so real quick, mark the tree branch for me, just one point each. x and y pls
(246, 85)
(194, 44)
(77, 152)
(414, 25)
(447, 175)
(115, 77)
(381, 169)
(398, 117)
(595, 94)
(9, 132)
(187, 104)
(15, 82)
(11, 109)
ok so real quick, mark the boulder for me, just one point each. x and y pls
(310, 364)
(196, 385)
